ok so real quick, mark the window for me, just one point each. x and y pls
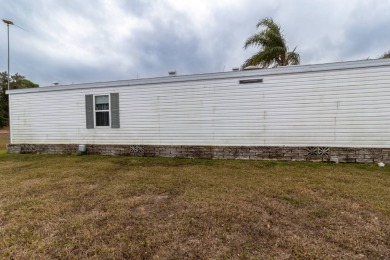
(102, 110)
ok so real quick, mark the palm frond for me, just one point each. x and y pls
(268, 23)
(261, 59)
(293, 58)
(256, 40)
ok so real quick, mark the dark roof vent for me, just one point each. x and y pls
(249, 81)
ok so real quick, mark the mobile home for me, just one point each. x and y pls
(329, 112)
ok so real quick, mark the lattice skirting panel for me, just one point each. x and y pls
(325, 154)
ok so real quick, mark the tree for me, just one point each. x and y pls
(385, 55)
(273, 49)
(16, 82)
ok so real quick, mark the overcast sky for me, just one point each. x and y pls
(77, 41)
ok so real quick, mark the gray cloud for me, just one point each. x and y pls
(86, 41)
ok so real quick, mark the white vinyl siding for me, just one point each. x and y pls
(340, 108)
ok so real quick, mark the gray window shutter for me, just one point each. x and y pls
(114, 110)
(89, 111)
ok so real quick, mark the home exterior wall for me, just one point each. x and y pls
(346, 107)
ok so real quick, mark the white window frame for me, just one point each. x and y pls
(109, 110)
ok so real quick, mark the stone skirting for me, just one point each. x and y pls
(43, 148)
(283, 153)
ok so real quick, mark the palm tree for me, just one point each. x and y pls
(273, 49)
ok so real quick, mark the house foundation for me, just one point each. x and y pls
(282, 153)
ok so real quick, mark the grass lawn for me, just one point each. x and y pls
(149, 208)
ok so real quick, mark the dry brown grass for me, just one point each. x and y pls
(139, 208)
(3, 138)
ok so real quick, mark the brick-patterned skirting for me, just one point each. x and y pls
(325, 154)
(43, 148)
